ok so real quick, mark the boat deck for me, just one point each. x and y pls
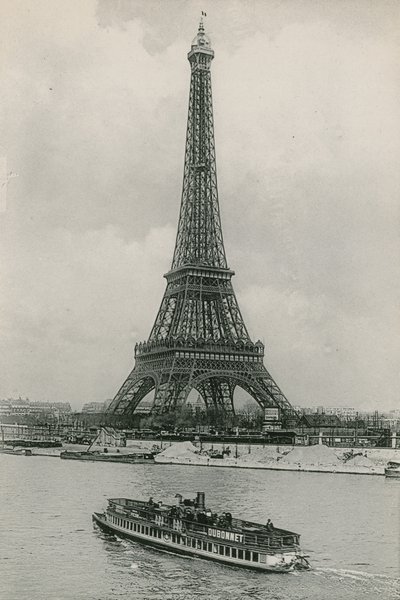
(174, 520)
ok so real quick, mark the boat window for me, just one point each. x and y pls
(255, 556)
(240, 554)
(193, 543)
(209, 547)
(288, 541)
(173, 538)
(178, 539)
(199, 544)
(142, 527)
(159, 533)
(233, 552)
(227, 551)
(147, 531)
(221, 550)
(215, 548)
(151, 531)
(247, 555)
(205, 546)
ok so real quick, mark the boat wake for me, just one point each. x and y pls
(352, 574)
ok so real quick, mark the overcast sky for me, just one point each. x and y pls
(307, 122)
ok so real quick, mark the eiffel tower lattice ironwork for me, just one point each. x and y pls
(199, 339)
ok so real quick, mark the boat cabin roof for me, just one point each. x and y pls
(196, 519)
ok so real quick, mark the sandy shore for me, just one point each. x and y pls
(318, 459)
(237, 463)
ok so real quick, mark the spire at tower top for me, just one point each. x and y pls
(201, 24)
(201, 40)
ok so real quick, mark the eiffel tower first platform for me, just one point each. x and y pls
(199, 339)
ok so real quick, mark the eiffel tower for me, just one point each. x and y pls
(199, 339)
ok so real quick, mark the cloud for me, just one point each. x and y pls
(73, 309)
(319, 352)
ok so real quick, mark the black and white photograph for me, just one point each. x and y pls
(200, 294)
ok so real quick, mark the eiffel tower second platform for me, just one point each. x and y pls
(199, 339)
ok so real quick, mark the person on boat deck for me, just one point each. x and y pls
(151, 501)
(270, 525)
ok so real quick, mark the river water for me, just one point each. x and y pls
(49, 549)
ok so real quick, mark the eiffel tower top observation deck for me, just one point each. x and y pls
(199, 339)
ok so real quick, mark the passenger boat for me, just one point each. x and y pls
(135, 457)
(392, 469)
(189, 528)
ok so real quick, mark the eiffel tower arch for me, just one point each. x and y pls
(199, 339)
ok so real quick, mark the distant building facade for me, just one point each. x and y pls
(25, 407)
(95, 407)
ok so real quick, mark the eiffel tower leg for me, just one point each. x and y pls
(217, 394)
(131, 393)
(275, 396)
(224, 395)
(205, 391)
(169, 395)
(265, 391)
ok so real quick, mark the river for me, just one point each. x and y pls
(49, 549)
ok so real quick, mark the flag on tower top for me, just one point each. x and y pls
(203, 14)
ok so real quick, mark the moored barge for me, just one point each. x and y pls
(95, 455)
(189, 528)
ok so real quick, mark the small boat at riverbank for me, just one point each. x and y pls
(392, 469)
(17, 451)
(95, 455)
(189, 528)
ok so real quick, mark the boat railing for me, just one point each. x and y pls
(162, 517)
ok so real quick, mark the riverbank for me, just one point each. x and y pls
(317, 459)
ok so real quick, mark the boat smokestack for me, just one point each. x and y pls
(201, 500)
